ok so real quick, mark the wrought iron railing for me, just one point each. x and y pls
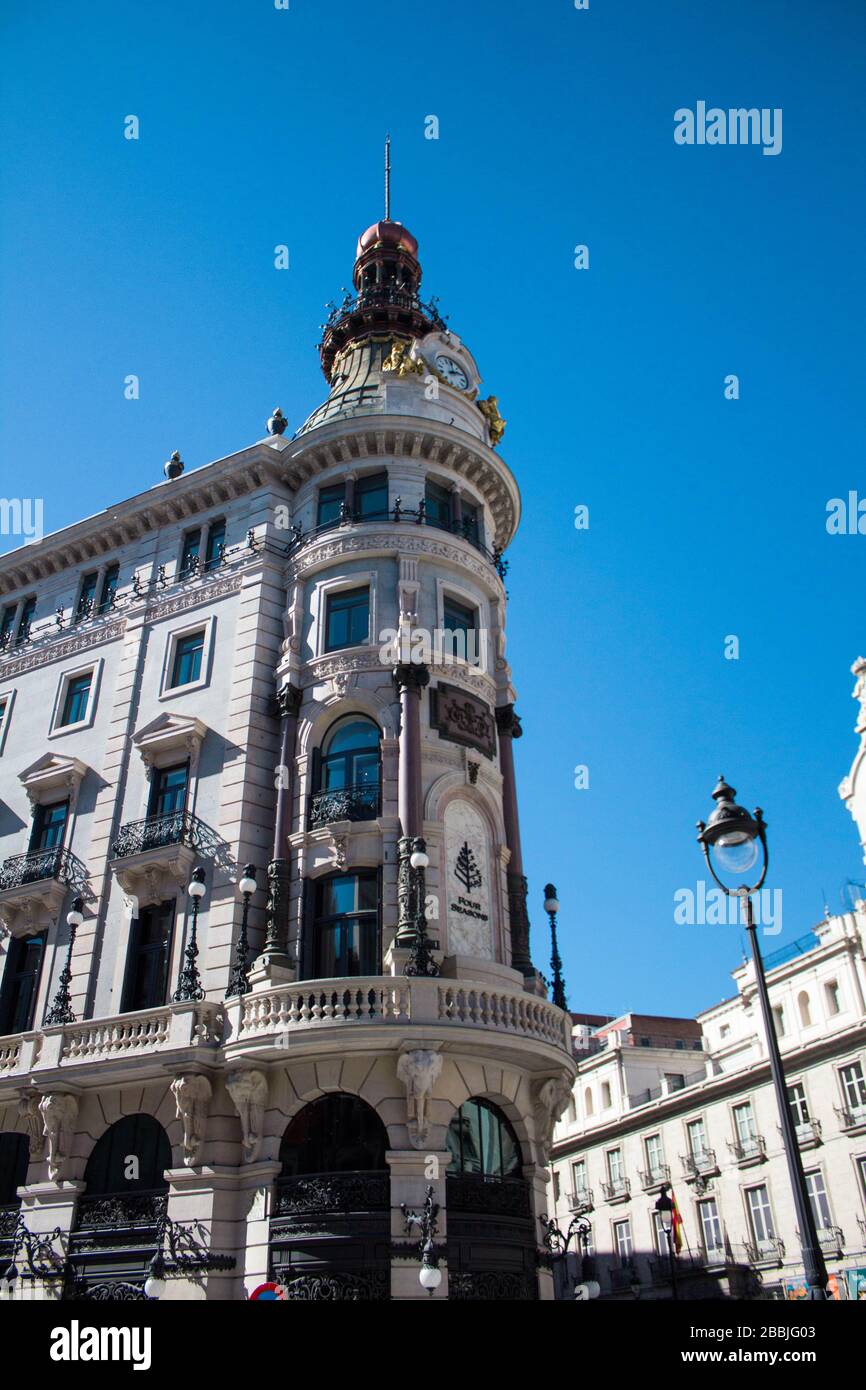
(654, 1177)
(623, 1276)
(617, 1187)
(748, 1149)
(831, 1239)
(41, 864)
(580, 1201)
(9, 1219)
(158, 832)
(344, 803)
(770, 1251)
(487, 1196)
(311, 1193)
(376, 295)
(807, 1131)
(851, 1117)
(466, 530)
(121, 1209)
(701, 1161)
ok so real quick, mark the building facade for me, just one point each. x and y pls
(279, 680)
(690, 1102)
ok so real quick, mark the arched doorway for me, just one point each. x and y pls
(117, 1217)
(491, 1236)
(330, 1229)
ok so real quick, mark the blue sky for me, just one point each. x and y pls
(707, 516)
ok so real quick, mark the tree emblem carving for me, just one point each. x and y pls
(466, 871)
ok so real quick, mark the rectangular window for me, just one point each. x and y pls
(20, 983)
(216, 544)
(49, 825)
(329, 508)
(7, 623)
(437, 505)
(76, 699)
(615, 1166)
(147, 966)
(556, 1185)
(86, 595)
(346, 926)
(760, 1215)
(711, 1226)
(623, 1241)
(3, 707)
(470, 525)
(348, 619)
(697, 1134)
(660, 1238)
(818, 1199)
(578, 1176)
(798, 1103)
(189, 558)
(168, 790)
(462, 624)
(744, 1124)
(854, 1087)
(831, 994)
(108, 592)
(654, 1153)
(371, 497)
(24, 622)
(186, 663)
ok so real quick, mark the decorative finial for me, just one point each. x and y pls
(387, 178)
(174, 467)
(278, 422)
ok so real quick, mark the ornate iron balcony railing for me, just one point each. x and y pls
(654, 1177)
(487, 1196)
(617, 1187)
(580, 1201)
(466, 529)
(41, 864)
(851, 1118)
(624, 1275)
(344, 803)
(158, 832)
(375, 295)
(831, 1239)
(333, 1192)
(9, 1219)
(119, 1210)
(745, 1150)
(765, 1252)
(701, 1161)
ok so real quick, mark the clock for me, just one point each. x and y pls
(452, 372)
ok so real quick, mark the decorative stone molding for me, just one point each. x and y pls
(550, 1097)
(395, 540)
(463, 719)
(192, 1094)
(168, 737)
(249, 1095)
(31, 1122)
(859, 693)
(52, 776)
(50, 649)
(58, 1110)
(194, 597)
(419, 1070)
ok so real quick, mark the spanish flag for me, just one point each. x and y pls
(676, 1225)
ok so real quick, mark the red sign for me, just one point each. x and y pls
(268, 1292)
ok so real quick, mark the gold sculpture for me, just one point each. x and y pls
(490, 410)
(399, 361)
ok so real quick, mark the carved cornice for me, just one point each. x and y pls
(395, 540)
(58, 650)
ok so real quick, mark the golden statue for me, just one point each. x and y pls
(399, 361)
(490, 410)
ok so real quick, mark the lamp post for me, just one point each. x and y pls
(240, 980)
(736, 843)
(429, 1275)
(665, 1209)
(421, 960)
(189, 983)
(61, 1007)
(180, 1247)
(551, 907)
(557, 1241)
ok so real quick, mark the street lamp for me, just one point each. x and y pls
(665, 1209)
(735, 844)
(189, 983)
(61, 1007)
(240, 980)
(429, 1275)
(551, 907)
(183, 1243)
(421, 959)
(558, 1241)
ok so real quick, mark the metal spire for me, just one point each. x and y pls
(387, 178)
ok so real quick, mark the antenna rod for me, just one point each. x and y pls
(387, 178)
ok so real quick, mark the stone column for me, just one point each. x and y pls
(45, 1206)
(276, 953)
(410, 680)
(509, 728)
(409, 1183)
(208, 1195)
(538, 1179)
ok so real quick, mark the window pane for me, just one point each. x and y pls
(371, 496)
(330, 502)
(348, 618)
(216, 538)
(437, 508)
(491, 1152)
(75, 702)
(358, 733)
(187, 659)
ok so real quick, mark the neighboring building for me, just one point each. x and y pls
(690, 1102)
(205, 677)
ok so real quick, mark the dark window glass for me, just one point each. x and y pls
(348, 619)
(216, 540)
(350, 756)
(87, 594)
(107, 1166)
(330, 504)
(20, 982)
(482, 1142)
(371, 497)
(168, 790)
(75, 702)
(7, 622)
(149, 956)
(49, 823)
(462, 623)
(346, 926)
(437, 505)
(336, 1134)
(190, 554)
(27, 614)
(14, 1162)
(470, 524)
(3, 704)
(186, 666)
(109, 588)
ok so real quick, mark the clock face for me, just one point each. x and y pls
(452, 372)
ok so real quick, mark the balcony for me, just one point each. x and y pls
(748, 1151)
(808, 1134)
(765, 1254)
(831, 1240)
(617, 1190)
(852, 1120)
(398, 515)
(470, 1195)
(355, 803)
(581, 1201)
(33, 886)
(651, 1179)
(318, 1193)
(159, 845)
(623, 1276)
(700, 1164)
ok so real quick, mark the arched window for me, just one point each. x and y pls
(347, 777)
(14, 1161)
(587, 1102)
(111, 1169)
(805, 1009)
(336, 1134)
(345, 925)
(482, 1143)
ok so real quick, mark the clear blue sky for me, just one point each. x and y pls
(261, 126)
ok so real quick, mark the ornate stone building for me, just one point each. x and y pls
(265, 963)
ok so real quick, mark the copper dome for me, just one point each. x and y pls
(386, 233)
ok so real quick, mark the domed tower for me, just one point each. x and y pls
(397, 956)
